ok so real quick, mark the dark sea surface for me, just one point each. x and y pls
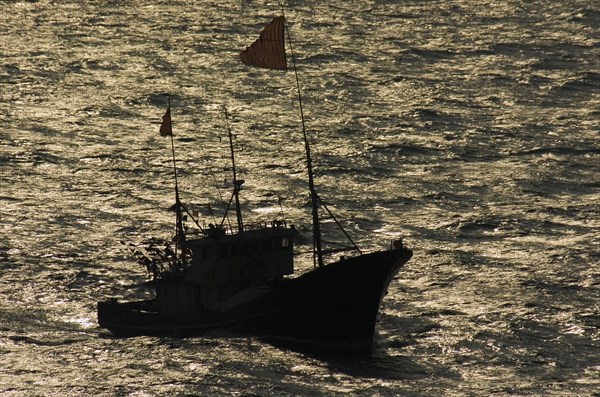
(471, 129)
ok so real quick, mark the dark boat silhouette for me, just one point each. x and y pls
(241, 279)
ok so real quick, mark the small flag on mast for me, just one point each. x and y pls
(165, 127)
(268, 51)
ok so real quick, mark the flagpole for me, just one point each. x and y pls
(179, 223)
(173, 151)
(175, 171)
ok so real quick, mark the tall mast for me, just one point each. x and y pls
(268, 51)
(317, 246)
(237, 184)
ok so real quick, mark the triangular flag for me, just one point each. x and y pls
(268, 51)
(165, 127)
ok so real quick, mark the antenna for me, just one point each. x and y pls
(237, 183)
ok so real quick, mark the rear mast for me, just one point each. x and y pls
(166, 129)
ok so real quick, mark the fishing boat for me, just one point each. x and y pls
(241, 278)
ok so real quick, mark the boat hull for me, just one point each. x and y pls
(332, 307)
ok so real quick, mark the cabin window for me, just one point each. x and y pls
(285, 242)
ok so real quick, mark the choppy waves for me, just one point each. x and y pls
(470, 130)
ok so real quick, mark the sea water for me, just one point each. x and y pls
(469, 129)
